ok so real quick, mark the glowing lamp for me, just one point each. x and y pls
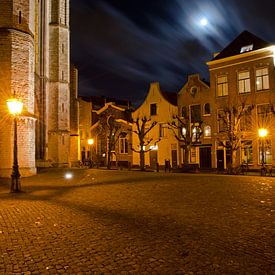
(15, 106)
(90, 141)
(262, 132)
(68, 176)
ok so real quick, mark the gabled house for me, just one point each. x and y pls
(195, 112)
(159, 108)
(242, 81)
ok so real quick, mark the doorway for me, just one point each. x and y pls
(220, 160)
(205, 157)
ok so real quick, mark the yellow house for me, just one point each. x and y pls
(158, 108)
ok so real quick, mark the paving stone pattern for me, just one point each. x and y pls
(124, 222)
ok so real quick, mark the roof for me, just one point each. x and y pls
(243, 40)
(99, 101)
(170, 97)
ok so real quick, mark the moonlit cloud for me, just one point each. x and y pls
(122, 46)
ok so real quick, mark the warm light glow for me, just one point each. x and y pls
(90, 141)
(183, 130)
(203, 21)
(15, 106)
(154, 147)
(262, 132)
(68, 176)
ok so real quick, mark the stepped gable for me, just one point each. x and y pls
(244, 39)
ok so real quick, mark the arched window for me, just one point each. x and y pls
(207, 110)
(207, 131)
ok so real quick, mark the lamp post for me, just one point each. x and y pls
(262, 134)
(91, 142)
(15, 108)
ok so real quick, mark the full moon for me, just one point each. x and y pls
(203, 21)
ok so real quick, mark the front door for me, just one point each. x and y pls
(174, 158)
(153, 159)
(220, 160)
(205, 157)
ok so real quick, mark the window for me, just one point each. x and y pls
(20, 17)
(184, 112)
(222, 86)
(246, 151)
(262, 79)
(123, 145)
(265, 151)
(264, 115)
(195, 113)
(153, 109)
(162, 132)
(244, 82)
(246, 48)
(222, 121)
(246, 120)
(206, 109)
(207, 131)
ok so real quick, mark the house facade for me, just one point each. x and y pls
(105, 131)
(242, 84)
(196, 105)
(158, 108)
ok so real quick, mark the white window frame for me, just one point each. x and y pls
(222, 85)
(244, 85)
(262, 79)
(122, 145)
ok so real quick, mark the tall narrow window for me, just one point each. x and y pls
(65, 12)
(264, 115)
(222, 121)
(262, 79)
(246, 151)
(20, 17)
(153, 109)
(222, 86)
(206, 109)
(246, 120)
(195, 113)
(244, 82)
(123, 145)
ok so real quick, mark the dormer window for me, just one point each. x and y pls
(247, 48)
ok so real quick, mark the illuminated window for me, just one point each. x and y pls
(207, 131)
(264, 115)
(262, 79)
(244, 82)
(123, 145)
(162, 132)
(222, 86)
(246, 48)
(265, 151)
(246, 151)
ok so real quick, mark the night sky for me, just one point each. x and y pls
(120, 46)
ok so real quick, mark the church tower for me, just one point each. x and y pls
(17, 28)
(59, 84)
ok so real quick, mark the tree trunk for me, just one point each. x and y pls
(186, 155)
(142, 160)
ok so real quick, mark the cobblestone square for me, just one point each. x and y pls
(123, 222)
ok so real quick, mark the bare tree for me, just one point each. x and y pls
(111, 130)
(229, 118)
(187, 133)
(142, 127)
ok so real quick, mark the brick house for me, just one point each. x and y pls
(243, 75)
(196, 102)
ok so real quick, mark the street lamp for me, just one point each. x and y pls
(15, 108)
(262, 134)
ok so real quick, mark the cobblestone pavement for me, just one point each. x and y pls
(123, 222)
